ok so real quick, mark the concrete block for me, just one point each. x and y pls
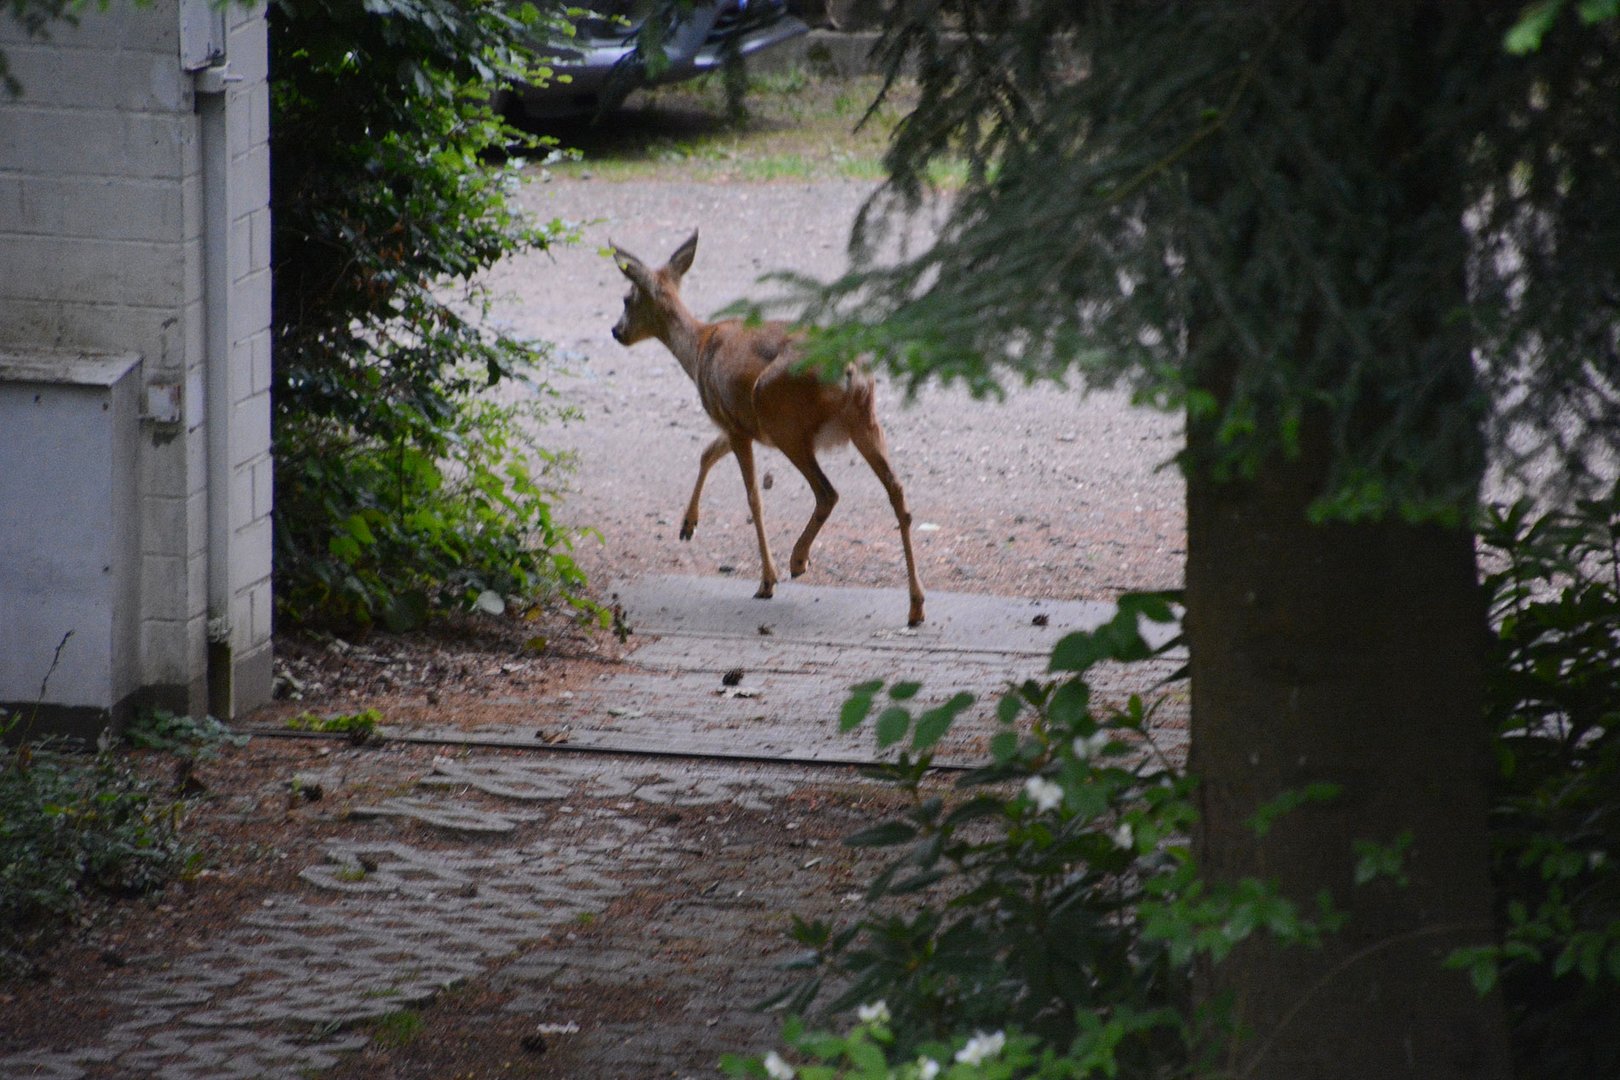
(192, 327)
(134, 272)
(250, 554)
(26, 322)
(158, 333)
(242, 513)
(197, 525)
(250, 305)
(250, 176)
(171, 650)
(240, 257)
(254, 677)
(264, 485)
(262, 607)
(250, 430)
(82, 207)
(248, 44)
(259, 234)
(163, 466)
(155, 26)
(263, 371)
(126, 76)
(191, 201)
(95, 143)
(163, 526)
(165, 587)
(259, 117)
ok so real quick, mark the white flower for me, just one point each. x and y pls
(875, 1013)
(1045, 794)
(927, 1068)
(1125, 836)
(776, 1068)
(1087, 745)
(981, 1048)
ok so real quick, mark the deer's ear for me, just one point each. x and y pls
(632, 268)
(681, 261)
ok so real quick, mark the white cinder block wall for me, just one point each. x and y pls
(117, 239)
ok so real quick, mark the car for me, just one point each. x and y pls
(598, 67)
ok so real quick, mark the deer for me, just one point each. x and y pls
(751, 380)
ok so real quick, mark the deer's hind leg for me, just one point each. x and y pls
(869, 440)
(803, 458)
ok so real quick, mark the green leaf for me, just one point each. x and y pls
(884, 834)
(1071, 704)
(1483, 975)
(933, 724)
(1075, 652)
(1534, 21)
(1596, 11)
(904, 691)
(858, 705)
(892, 725)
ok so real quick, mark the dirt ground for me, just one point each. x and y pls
(1046, 495)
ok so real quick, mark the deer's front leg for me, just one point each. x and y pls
(711, 454)
(743, 447)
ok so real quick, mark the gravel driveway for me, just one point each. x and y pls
(1050, 494)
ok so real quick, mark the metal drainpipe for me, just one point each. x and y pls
(211, 84)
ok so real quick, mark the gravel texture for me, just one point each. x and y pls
(1050, 494)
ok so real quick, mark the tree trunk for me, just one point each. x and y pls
(1349, 654)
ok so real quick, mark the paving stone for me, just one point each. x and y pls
(503, 778)
(443, 815)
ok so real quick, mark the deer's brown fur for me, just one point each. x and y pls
(748, 380)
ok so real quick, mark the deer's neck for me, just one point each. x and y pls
(682, 335)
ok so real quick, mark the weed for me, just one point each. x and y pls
(397, 1028)
(184, 736)
(73, 826)
(360, 727)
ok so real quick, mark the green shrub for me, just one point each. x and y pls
(1555, 708)
(1048, 904)
(400, 488)
(74, 826)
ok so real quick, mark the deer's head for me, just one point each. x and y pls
(655, 295)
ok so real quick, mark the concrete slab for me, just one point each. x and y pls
(836, 615)
(717, 673)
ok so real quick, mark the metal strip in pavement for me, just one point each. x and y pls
(593, 742)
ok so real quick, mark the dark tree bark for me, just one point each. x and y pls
(1347, 654)
(1353, 654)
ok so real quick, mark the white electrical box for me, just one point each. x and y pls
(69, 532)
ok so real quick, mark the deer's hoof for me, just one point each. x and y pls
(765, 592)
(687, 529)
(916, 618)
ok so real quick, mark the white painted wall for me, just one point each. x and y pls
(104, 234)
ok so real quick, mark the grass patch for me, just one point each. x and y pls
(397, 1028)
(798, 127)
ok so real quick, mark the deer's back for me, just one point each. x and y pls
(749, 386)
